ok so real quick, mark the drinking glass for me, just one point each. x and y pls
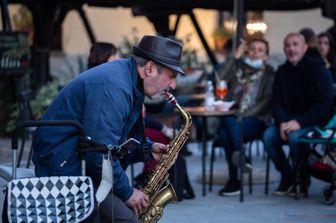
(221, 89)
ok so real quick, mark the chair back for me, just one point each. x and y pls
(25, 111)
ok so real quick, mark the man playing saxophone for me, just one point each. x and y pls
(107, 100)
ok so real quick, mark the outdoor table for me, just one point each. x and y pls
(200, 111)
(200, 96)
(199, 87)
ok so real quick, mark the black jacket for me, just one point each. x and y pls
(302, 93)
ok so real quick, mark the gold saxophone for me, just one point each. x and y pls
(160, 196)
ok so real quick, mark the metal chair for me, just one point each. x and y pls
(217, 144)
(25, 114)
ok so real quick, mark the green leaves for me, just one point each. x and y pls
(44, 97)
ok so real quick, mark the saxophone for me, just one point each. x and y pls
(158, 188)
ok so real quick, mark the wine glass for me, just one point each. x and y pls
(221, 89)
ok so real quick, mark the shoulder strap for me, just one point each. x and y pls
(145, 146)
(139, 128)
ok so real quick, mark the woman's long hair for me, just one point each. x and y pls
(100, 52)
(331, 55)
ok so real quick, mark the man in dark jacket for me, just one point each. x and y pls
(301, 99)
(107, 100)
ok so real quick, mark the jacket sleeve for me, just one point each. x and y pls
(321, 108)
(227, 70)
(262, 105)
(121, 185)
(106, 111)
(279, 113)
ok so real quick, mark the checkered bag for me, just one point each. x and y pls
(50, 199)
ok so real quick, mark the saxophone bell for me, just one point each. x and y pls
(155, 210)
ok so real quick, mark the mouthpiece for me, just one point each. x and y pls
(170, 97)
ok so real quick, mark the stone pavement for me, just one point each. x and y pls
(256, 208)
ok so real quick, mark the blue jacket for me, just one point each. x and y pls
(302, 92)
(107, 102)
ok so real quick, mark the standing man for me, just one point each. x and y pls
(301, 99)
(107, 100)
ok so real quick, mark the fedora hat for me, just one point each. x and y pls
(164, 51)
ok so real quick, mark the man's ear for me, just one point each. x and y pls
(149, 66)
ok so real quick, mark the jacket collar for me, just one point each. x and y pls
(137, 82)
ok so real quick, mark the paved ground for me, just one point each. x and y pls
(256, 208)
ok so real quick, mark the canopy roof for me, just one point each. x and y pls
(164, 5)
(48, 17)
(177, 5)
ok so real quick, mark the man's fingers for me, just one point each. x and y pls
(135, 210)
(146, 198)
(139, 207)
(164, 148)
(283, 135)
(143, 204)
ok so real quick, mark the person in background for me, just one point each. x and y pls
(225, 53)
(309, 36)
(101, 52)
(326, 47)
(107, 101)
(301, 99)
(249, 81)
(311, 41)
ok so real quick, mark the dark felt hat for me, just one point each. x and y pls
(164, 51)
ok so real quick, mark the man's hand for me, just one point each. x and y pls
(283, 134)
(137, 202)
(288, 127)
(158, 149)
(292, 125)
(241, 49)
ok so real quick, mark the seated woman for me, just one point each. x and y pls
(101, 52)
(326, 47)
(250, 86)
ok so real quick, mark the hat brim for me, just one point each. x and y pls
(143, 54)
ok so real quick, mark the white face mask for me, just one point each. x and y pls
(256, 64)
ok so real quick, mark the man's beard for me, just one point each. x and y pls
(157, 96)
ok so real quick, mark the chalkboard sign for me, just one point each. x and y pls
(14, 53)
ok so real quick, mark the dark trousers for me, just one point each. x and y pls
(112, 206)
(252, 128)
(273, 144)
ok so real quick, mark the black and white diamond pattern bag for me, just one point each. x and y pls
(50, 199)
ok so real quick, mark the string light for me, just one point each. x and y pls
(254, 27)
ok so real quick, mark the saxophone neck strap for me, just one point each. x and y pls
(145, 146)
